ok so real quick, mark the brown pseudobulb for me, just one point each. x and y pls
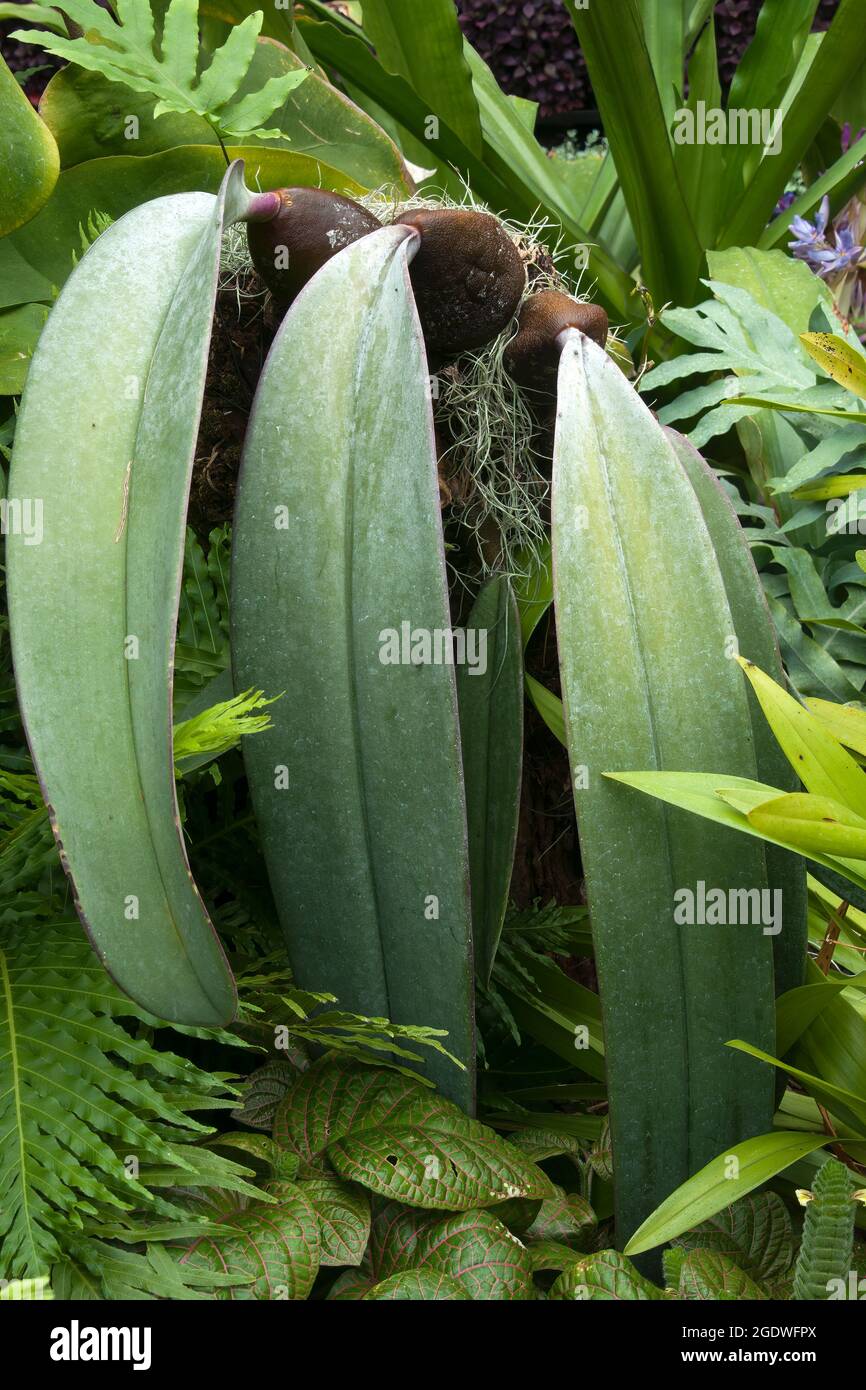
(532, 356)
(310, 226)
(467, 275)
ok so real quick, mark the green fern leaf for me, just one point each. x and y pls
(828, 1233)
(168, 69)
(85, 1106)
(219, 728)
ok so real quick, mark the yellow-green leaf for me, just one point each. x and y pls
(30, 163)
(838, 359)
(845, 722)
(812, 823)
(819, 760)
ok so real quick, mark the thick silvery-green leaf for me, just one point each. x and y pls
(728, 1177)
(30, 164)
(644, 631)
(490, 696)
(106, 463)
(358, 786)
(756, 638)
(90, 118)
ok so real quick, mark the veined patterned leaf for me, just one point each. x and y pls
(709, 1274)
(278, 1244)
(360, 1120)
(755, 1233)
(607, 1277)
(343, 1214)
(410, 1253)
(416, 1285)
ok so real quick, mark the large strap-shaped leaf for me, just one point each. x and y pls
(756, 637)
(490, 692)
(104, 448)
(430, 55)
(338, 554)
(644, 631)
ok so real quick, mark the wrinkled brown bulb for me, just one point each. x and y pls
(467, 276)
(532, 356)
(310, 226)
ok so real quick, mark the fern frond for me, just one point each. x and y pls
(85, 1105)
(221, 727)
(167, 68)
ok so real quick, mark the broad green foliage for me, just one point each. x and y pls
(126, 52)
(30, 160)
(734, 1173)
(746, 1253)
(644, 647)
(315, 120)
(805, 545)
(358, 785)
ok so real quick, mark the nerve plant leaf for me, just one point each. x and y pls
(167, 66)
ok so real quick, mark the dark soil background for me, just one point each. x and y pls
(533, 50)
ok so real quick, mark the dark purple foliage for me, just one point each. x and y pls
(532, 47)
